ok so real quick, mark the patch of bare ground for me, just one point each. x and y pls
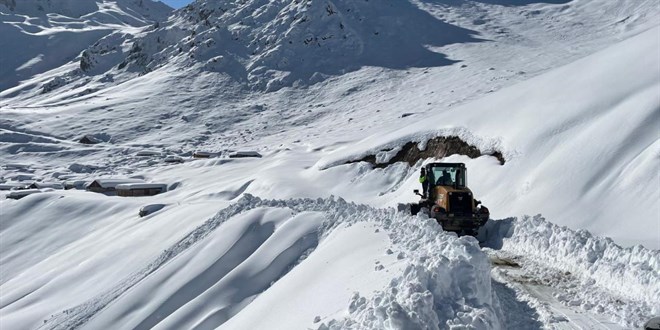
(438, 147)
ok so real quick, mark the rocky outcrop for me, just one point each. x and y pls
(273, 44)
(438, 147)
(148, 9)
(10, 4)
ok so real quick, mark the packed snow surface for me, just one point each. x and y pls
(307, 236)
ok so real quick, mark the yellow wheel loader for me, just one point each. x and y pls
(447, 198)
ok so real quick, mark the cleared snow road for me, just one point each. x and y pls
(531, 290)
(572, 279)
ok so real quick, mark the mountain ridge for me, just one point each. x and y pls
(78, 8)
(302, 235)
(43, 35)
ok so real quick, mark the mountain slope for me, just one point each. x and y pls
(580, 142)
(266, 46)
(41, 35)
(155, 10)
(269, 45)
(177, 108)
(306, 236)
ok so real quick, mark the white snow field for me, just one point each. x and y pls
(44, 35)
(308, 236)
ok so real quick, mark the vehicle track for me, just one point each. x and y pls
(540, 289)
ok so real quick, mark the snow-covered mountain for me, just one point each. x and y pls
(42, 35)
(554, 107)
(270, 44)
(155, 10)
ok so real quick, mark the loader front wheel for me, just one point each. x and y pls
(414, 208)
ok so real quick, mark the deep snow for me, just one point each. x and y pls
(43, 35)
(569, 92)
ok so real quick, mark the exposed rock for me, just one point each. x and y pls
(438, 147)
(82, 168)
(149, 209)
(88, 139)
(11, 4)
(53, 84)
(653, 324)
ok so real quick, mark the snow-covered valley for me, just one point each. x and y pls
(308, 236)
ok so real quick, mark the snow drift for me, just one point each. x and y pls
(581, 143)
(422, 277)
(43, 35)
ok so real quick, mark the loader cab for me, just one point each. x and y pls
(448, 189)
(447, 174)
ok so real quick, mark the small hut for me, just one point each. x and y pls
(203, 154)
(245, 154)
(74, 184)
(173, 159)
(140, 189)
(18, 194)
(11, 186)
(148, 153)
(42, 185)
(108, 186)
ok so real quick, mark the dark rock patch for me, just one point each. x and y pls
(438, 147)
(82, 168)
(89, 139)
(653, 324)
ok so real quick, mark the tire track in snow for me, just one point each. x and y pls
(539, 290)
(574, 279)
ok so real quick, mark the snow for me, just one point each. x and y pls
(113, 183)
(549, 164)
(173, 159)
(47, 34)
(42, 185)
(623, 283)
(17, 194)
(10, 186)
(129, 186)
(304, 236)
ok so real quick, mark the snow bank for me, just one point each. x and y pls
(445, 282)
(571, 137)
(61, 248)
(56, 31)
(18, 194)
(605, 269)
(393, 141)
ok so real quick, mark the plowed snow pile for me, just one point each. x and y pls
(355, 266)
